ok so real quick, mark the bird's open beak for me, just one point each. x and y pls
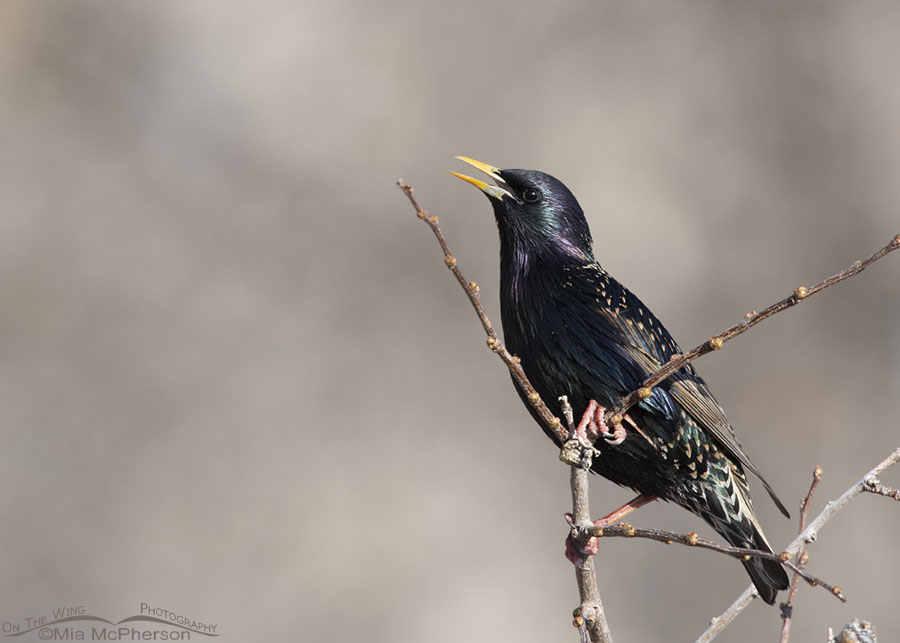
(494, 191)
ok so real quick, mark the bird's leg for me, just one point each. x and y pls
(577, 551)
(635, 503)
(587, 423)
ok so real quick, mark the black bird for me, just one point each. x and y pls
(582, 334)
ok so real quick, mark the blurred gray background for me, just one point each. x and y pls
(237, 381)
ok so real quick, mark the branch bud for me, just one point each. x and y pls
(450, 260)
(715, 343)
(644, 392)
(800, 292)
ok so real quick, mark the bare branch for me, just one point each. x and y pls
(589, 616)
(625, 530)
(873, 485)
(835, 506)
(801, 293)
(493, 341)
(717, 624)
(787, 608)
(808, 535)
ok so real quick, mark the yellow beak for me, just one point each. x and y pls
(493, 191)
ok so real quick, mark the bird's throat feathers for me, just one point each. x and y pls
(523, 248)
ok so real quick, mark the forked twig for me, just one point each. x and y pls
(801, 293)
(493, 341)
(787, 608)
(808, 535)
(874, 486)
(625, 530)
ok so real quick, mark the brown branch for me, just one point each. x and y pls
(625, 530)
(614, 414)
(874, 486)
(808, 535)
(472, 291)
(589, 616)
(787, 608)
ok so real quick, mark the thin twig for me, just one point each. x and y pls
(787, 608)
(625, 530)
(615, 413)
(808, 535)
(589, 616)
(832, 508)
(717, 624)
(493, 341)
(873, 485)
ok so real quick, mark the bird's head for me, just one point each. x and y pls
(536, 213)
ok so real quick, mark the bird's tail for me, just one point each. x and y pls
(767, 575)
(729, 511)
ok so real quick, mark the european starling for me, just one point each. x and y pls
(582, 334)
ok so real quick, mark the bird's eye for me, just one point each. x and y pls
(531, 195)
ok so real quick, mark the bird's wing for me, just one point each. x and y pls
(650, 345)
(692, 394)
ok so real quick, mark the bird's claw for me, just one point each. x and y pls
(593, 425)
(578, 552)
(578, 556)
(616, 436)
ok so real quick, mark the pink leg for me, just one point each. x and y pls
(592, 426)
(587, 422)
(624, 510)
(579, 554)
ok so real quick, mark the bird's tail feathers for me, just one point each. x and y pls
(730, 513)
(767, 575)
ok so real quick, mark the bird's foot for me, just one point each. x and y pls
(617, 435)
(592, 421)
(578, 550)
(580, 547)
(579, 448)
